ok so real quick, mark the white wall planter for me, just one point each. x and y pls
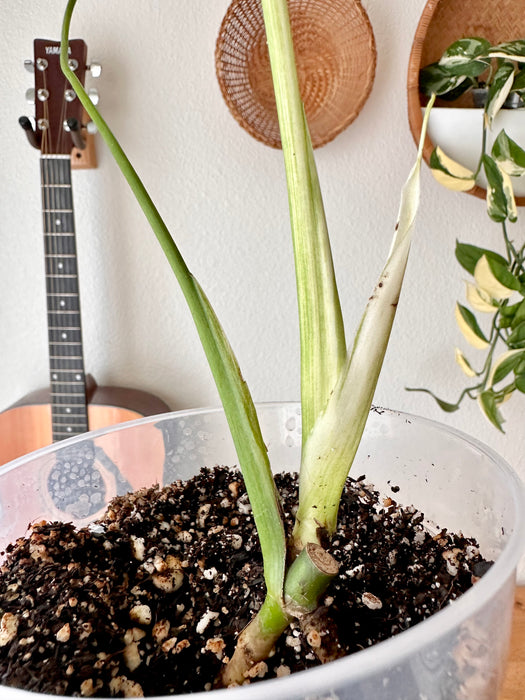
(459, 133)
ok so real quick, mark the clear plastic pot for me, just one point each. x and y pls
(457, 654)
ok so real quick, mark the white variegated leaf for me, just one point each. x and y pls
(508, 191)
(503, 83)
(464, 363)
(486, 280)
(449, 173)
(479, 300)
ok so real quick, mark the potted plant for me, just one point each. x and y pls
(479, 89)
(493, 74)
(495, 290)
(294, 541)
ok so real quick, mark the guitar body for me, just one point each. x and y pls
(76, 482)
(26, 426)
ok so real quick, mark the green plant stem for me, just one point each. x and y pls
(255, 643)
(483, 147)
(234, 394)
(306, 580)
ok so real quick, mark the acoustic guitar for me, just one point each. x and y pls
(73, 403)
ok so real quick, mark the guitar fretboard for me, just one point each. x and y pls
(66, 361)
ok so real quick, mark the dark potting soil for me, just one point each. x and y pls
(149, 600)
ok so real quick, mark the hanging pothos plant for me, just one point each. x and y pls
(337, 382)
(496, 285)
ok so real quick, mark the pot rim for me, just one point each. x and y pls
(389, 651)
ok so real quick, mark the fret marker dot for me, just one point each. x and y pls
(78, 377)
(62, 302)
(63, 336)
(60, 266)
(54, 376)
(68, 410)
(58, 222)
(68, 429)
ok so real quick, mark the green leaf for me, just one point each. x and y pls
(510, 50)
(509, 310)
(504, 365)
(504, 322)
(468, 256)
(520, 369)
(449, 173)
(434, 79)
(463, 52)
(499, 91)
(508, 155)
(444, 405)
(516, 339)
(469, 327)
(520, 383)
(519, 315)
(489, 406)
(519, 81)
(496, 195)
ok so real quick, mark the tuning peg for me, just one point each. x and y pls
(29, 65)
(95, 69)
(93, 95)
(91, 128)
(30, 96)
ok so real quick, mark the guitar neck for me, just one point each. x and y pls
(66, 360)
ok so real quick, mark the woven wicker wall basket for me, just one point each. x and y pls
(445, 21)
(335, 55)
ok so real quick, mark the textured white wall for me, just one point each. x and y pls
(222, 193)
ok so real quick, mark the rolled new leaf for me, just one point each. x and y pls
(331, 447)
(322, 338)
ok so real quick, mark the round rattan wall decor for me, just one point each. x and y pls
(441, 23)
(336, 59)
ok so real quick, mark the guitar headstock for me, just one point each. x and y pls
(56, 104)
